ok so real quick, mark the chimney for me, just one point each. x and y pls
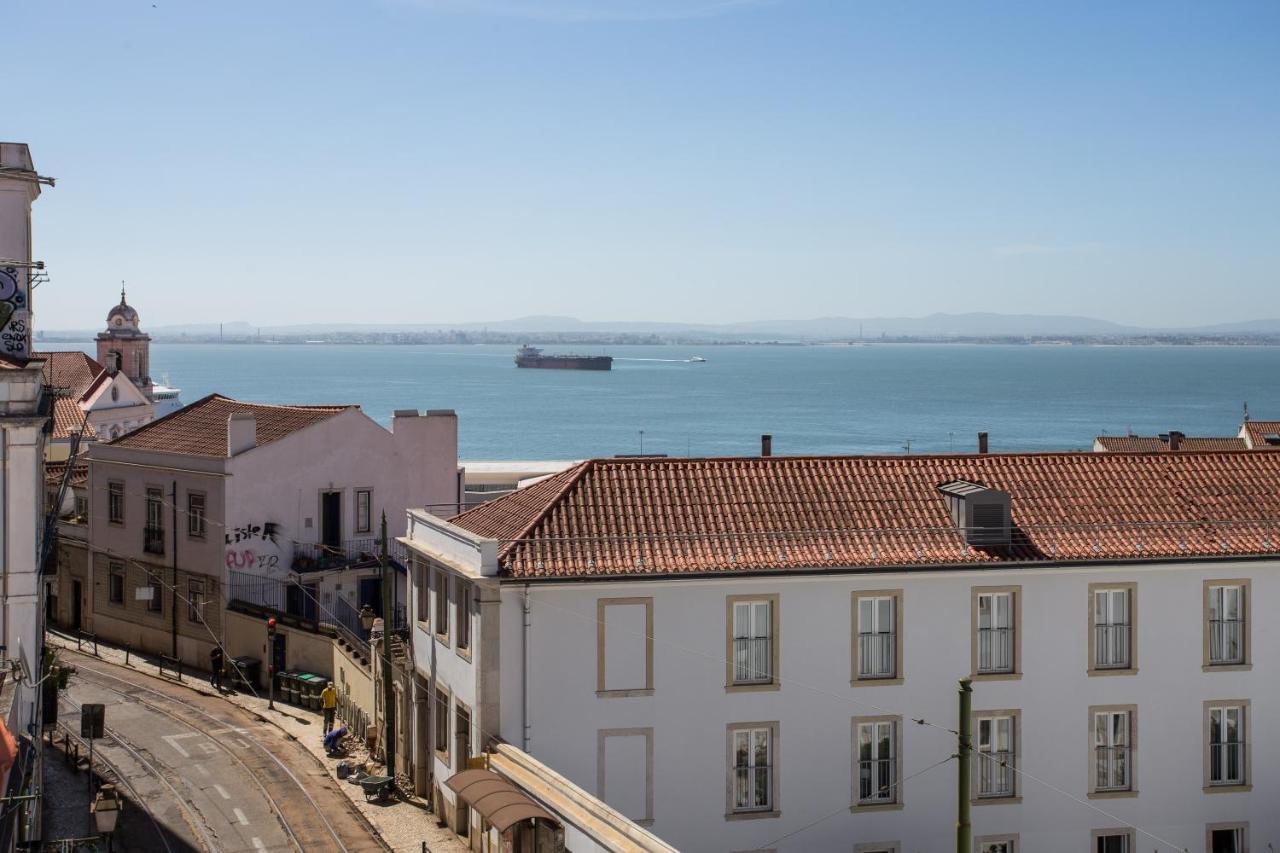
(982, 442)
(242, 433)
(1175, 439)
(766, 445)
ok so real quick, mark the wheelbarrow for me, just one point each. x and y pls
(376, 788)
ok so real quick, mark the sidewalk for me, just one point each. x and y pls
(403, 825)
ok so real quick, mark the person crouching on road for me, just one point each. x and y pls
(329, 702)
(215, 664)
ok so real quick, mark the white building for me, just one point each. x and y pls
(24, 418)
(735, 652)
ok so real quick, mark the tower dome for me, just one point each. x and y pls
(122, 315)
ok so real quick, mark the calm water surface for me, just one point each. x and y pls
(870, 399)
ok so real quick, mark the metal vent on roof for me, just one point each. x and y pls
(980, 513)
(1272, 438)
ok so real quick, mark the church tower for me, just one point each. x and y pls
(126, 348)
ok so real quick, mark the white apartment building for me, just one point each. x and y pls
(735, 652)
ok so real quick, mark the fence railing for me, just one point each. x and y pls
(1225, 641)
(1112, 767)
(995, 650)
(752, 660)
(995, 774)
(318, 555)
(1226, 762)
(295, 599)
(1111, 646)
(875, 780)
(875, 655)
(153, 539)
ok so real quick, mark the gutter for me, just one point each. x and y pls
(524, 671)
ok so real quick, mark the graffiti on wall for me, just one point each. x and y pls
(15, 334)
(253, 546)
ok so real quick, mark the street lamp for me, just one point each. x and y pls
(105, 809)
(366, 618)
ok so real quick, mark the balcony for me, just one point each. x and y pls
(313, 556)
(153, 539)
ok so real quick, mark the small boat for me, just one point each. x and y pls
(697, 359)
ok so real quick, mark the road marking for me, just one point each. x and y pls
(257, 844)
(203, 770)
(244, 821)
(223, 791)
(232, 730)
(172, 740)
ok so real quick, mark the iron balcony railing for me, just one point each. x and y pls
(752, 660)
(876, 781)
(1111, 646)
(995, 650)
(1226, 643)
(294, 599)
(1112, 767)
(153, 539)
(876, 655)
(1226, 760)
(995, 774)
(753, 788)
(321, 556)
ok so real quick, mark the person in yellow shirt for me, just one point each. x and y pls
(329, 702)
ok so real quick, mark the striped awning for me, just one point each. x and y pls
(496, 799)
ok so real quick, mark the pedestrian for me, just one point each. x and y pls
(215, 664)
(329, 702)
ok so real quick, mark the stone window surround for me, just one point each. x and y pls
(442, 705)
(1016, 796)
(775, 741)
(898, 801)
(1132, 790)
(1003, 838)
(857, 680)
(355, 509)
(422, 599)
(1126, 831)
(116, 570)
(462, 595)
(440, 578)
(459, 708)
(1231, 824)
(878, 847)
(199, 531)
(1015, 603)
(647, 733)
(775, 636)
(112, 492)
(1132, 668)
(1247, 606)
(1246, 722)
(601, 605)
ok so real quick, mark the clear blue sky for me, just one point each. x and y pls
(702, 160)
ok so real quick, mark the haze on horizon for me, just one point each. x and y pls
(704, 161)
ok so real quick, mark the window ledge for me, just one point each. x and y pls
(1111, 795)
(752, 688)
(994, 801)
(859, 681)
(1226, 789)
(1129, 670)
(464, 653)
(751, 815)
(624, 694)
(877, 807)
(442, 639)
(995, 676)
(1227, 667)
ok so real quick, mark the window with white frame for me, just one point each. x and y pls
(1226, 745)
(877, 637)
(364, 514)
(996, 745)
(463, 591)
(877, 762)
(442, 602)
(1113, 750)
(1002, 845)
(752, 755)
(995, 632)
(1111, 629)
(195, 515)
(1226, 624)
(115, 502)
(753, 642)
(1226, 839)
(115, 583)
(1112, 842)
(195, 600)
(423, 575)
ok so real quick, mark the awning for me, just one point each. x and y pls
(496, 799)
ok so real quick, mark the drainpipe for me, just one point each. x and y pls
(524, 672)
(173, 503)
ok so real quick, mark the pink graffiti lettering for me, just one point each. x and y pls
(248, 559)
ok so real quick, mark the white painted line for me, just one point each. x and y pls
(233, 730)
(257, 844)
(222, 791)
(203, 770)
(244, 821)
(172, 740)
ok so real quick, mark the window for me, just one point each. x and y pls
(877, 756)
(115, 583)
(1113, 841)
(1113, 744)
(1227, 838)
(462, 730)
(753, 652)
(195, 515)
(422, 573)
(442, 604)
(1227, 632)
(1227, 744)
(995, 640)
(998, 844)
(442, 725)
(195, 600)
(997, 753)
(751, 764)
(463, 591)
(155, 604)
(115, 502)
(1112, 625)
(364, 520)
(624, 647)
(876, 652)
(82, 508)
(878, 847)
(153, 533)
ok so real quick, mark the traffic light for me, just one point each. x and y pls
(271, 628)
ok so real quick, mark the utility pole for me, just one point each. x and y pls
(173, 597)
(964, 833)
(388, 693)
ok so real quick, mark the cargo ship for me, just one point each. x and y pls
(528, 356)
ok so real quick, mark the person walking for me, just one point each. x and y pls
(329, 703)
(215, 664)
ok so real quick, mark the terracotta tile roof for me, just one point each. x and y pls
(1154, 444)
(1258, 432)
(53, 472)
(68, 419)
(682, 516)
(69, 372)
(200, 429)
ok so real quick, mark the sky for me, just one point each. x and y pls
(436, 161)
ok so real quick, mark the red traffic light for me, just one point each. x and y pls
(271, 623)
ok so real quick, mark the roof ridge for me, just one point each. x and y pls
(309, 407)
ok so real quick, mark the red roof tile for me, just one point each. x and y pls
(1258, 432)
(1154, 444)
(54, 471)
(68, 419)
(683, 516)
(200, 429)
(69, 372)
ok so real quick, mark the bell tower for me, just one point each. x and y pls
(124, 347)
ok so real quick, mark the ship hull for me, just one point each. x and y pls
(570, 362)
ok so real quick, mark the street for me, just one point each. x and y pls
(211, 775)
